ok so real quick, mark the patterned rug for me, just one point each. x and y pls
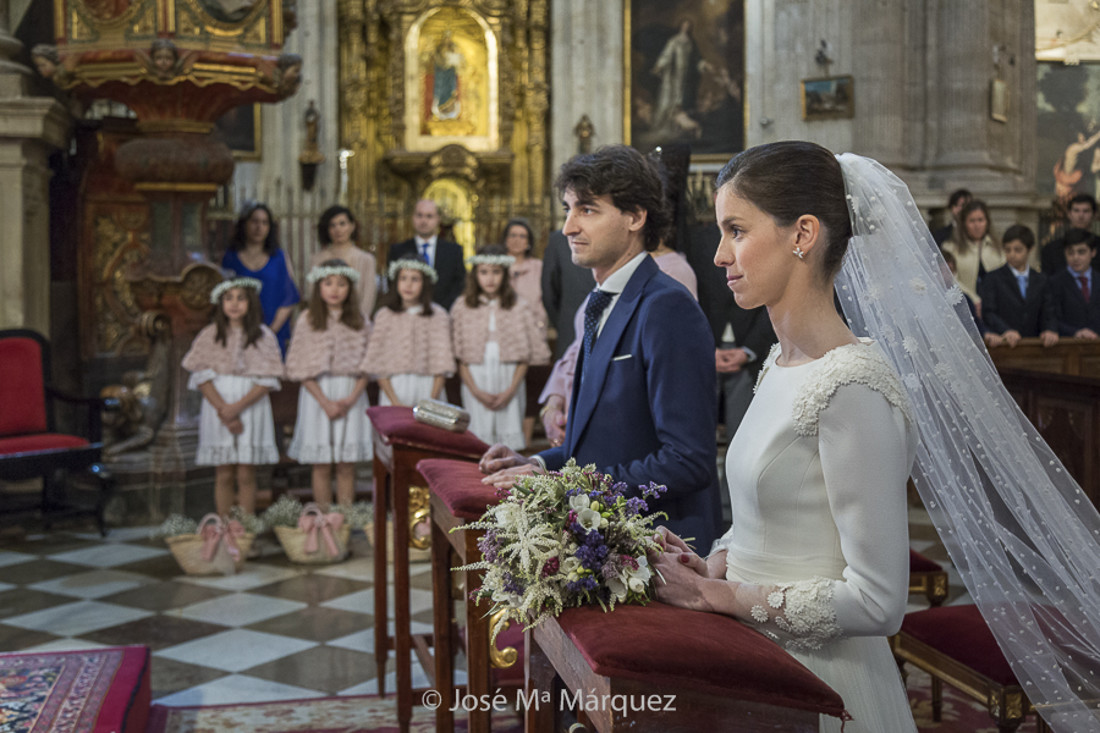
(351, 714)
(75, 692)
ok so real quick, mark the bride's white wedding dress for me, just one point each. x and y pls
(817, 475)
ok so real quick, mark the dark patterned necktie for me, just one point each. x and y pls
(597, 303)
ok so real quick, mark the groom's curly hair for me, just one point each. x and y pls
(628, 177)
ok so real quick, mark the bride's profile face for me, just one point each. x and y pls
(756, 253)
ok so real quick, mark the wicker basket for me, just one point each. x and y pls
(296, 539)
(188, 550)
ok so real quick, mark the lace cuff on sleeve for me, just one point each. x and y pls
(722, 543)
(800, 615)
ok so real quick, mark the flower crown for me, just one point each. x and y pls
(320, 272)
(498, 260)
(407, 263)
(238, 282)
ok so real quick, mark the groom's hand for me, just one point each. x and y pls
(500, 457)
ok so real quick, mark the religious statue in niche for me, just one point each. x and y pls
(452, 59)
(443, 74)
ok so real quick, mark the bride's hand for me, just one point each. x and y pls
(677, 582)
(669, 540)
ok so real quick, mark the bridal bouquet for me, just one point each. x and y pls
(563, 539)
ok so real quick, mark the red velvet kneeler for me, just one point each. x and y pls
(458, 497)
(722, 674)
(400, 442)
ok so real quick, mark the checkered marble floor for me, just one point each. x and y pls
(273, 631)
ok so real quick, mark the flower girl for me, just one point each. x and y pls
(329, 341)
(234, 362)
(496, 337)
(410, 350)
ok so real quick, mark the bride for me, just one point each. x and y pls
(817, 556)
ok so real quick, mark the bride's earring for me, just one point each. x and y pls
(799, 253)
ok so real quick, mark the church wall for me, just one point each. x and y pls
(276, 177)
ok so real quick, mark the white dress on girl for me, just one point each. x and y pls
(410, 349)
(495, 376)
(234, 371)
(331, 357)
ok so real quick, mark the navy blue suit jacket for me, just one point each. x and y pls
(1073, 313)
(1004, 309)
(646, 409)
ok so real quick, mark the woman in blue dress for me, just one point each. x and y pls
(254, 251)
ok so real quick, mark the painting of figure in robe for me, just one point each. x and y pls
(455, 64)
(686, 74)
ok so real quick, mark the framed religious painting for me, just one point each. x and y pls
(1068, 107)
(828, 98)
(240, 128)
(686, 70)
(451, 81)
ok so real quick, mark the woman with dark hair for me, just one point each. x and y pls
(817, 555)
(976, 250)
(254, 252)
(338, 231)
(525, 274)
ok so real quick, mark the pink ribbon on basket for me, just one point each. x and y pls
(213, 529)
(313, 521)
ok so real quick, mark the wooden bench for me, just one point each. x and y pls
(400, 495)
(458, 497)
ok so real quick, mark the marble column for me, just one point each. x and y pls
(586, 75)
(30, 128)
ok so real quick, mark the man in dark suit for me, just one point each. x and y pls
(564, 288)
(1016, 300)
(742, 337)
(643, 396)
(1077, 289)
(446, 257)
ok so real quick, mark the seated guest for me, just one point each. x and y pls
(1016, 300)
(1076, 291)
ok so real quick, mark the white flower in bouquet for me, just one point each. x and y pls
(563, 539)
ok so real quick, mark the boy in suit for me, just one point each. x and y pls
(1077, 290)
(1016, 300)
(643, 395)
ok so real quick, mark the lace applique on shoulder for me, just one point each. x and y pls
(803, 612)
(772, 356)
(851, 364)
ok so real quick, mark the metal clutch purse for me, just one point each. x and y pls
(442, 415)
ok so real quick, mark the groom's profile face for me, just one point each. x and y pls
(602, 237)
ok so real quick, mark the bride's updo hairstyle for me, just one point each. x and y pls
(788, 179)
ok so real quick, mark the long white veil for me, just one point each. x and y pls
(1021, 532)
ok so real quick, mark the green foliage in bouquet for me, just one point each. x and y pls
(564, 539)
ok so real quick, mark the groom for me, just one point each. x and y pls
(643, 396)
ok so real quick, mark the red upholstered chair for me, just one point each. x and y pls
(928, 578)
(30, 446)
(721, 675)
(400, 442)
(953, 644)
(458, 497)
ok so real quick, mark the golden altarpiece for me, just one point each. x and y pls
(446, 101)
